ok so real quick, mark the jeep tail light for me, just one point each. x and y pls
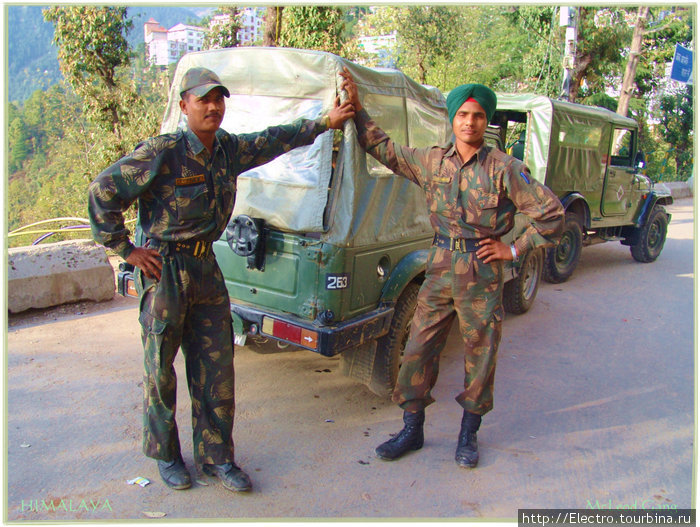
(289, 332)
(131, 288)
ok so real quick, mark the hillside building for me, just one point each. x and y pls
(252, 23)
(166, 46)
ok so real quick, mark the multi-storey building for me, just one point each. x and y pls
(251, 19)
(165, 47)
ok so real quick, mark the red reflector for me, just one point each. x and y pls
(286, 331)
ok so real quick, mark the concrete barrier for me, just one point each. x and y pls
(678, 189)
(57, 273)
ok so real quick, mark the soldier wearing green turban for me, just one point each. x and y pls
(472, 191)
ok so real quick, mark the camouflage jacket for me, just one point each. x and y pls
(476, 199)
(183, 192)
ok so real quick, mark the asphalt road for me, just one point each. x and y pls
(594, 408)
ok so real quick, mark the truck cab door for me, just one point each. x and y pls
(617, 189)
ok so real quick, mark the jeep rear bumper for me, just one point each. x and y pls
(328, 340)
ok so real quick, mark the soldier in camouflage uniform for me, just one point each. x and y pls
(473, 192)
(184, 184)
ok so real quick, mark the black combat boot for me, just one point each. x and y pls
(410, 438)
(174, 474)
(467, 454)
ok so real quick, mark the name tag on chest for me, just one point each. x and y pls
(189, 180)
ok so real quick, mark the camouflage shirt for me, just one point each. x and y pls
(474, 199)
(183, 191)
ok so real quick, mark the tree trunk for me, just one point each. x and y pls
(273, 26)
(631, 69)
(580, 69)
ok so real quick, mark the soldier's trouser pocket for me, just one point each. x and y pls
(153, 335)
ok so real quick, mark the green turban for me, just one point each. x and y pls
(484, 95)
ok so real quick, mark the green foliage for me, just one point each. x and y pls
(602, 36)
(538, 43)
(62, 136)
(93, 52)
(667, 27)
(677, 130)
(313, 27)
(225, 35)
(601, 99)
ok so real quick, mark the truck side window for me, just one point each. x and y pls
(621, 151)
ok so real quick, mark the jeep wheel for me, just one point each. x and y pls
(651, 237)
(561, 260)
(520, 292)
(385, 368)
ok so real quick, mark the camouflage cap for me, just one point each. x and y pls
(200, 81)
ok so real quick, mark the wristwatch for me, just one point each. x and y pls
(326, 121)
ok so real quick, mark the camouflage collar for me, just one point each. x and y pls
(481, 154)
(196, 145)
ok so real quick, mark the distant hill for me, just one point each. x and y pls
(32, 57)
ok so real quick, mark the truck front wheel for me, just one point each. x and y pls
(519, 293)
(561, 260)
(651, 237)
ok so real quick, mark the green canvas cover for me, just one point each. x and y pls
(563, 134)
(358, 202)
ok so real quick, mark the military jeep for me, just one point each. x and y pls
(326, 248)
(589, 157)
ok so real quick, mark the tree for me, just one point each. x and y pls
(92, 51)
(538, 43)
(634, 55)
(224, 34)
(426, 36)
(273, 26)
(677, 129)
(18, 144)
(602, 36)
(313, 27)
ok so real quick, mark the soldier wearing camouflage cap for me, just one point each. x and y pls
(184, 185)
(473, 192)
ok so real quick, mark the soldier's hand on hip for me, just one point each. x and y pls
(148, 260)
(490, 250)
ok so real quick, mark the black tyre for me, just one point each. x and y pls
(560, 261)
(520, 293)
(651, 236)
(385, 367)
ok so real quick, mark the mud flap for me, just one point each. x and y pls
(358, 362)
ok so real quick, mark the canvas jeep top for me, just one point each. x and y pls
(326, 248)
(589, 157)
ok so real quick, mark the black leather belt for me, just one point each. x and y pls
(463, 245)
(196, 248)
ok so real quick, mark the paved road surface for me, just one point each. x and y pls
(594, 407)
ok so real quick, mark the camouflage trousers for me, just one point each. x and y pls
(189, 309)
(456, 285)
